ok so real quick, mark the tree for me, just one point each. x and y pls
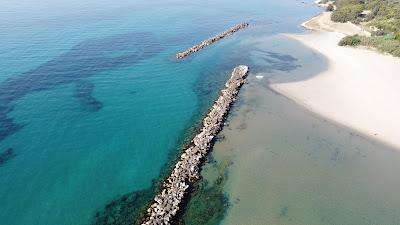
(330, 8)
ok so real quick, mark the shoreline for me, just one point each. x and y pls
(322, 22)
(291, 166)
(359, 87)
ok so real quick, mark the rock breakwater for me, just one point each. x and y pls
(186, 170)
(212, 40)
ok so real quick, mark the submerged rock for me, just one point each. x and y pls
(124, 210)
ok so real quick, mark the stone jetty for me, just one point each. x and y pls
(166, 203)
(212, 40)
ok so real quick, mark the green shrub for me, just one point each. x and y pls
(385, 15)
(378, 33)
(347, 12)
(330, 8)
(386, 44)
(397, 37)
(353, 40)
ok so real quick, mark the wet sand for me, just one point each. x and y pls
(290, 166)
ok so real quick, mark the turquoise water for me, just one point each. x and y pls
(93, 104)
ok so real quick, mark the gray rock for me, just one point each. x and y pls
(166, 203)
(210, 41)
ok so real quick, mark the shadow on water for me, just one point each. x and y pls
(84, 60)
(260, 60)
(6, 156)
(274, 61)
(277, 56)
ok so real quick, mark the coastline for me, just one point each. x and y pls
(359, 87)
(322, 22)
(289, 166)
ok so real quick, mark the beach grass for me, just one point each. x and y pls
(387, 43)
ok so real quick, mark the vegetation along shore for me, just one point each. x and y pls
(359, 87)
(380, 17)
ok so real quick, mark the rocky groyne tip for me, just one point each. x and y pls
(166, 203)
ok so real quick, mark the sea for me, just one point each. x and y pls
(95, 109)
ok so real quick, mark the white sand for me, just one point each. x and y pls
(360, 88)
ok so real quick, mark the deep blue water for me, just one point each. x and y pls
(93, 103)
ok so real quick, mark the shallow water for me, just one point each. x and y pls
(93, 104)
(289, 166)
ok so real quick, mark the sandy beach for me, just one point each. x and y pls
(288, 166)
(323, 22)
(360, 87)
